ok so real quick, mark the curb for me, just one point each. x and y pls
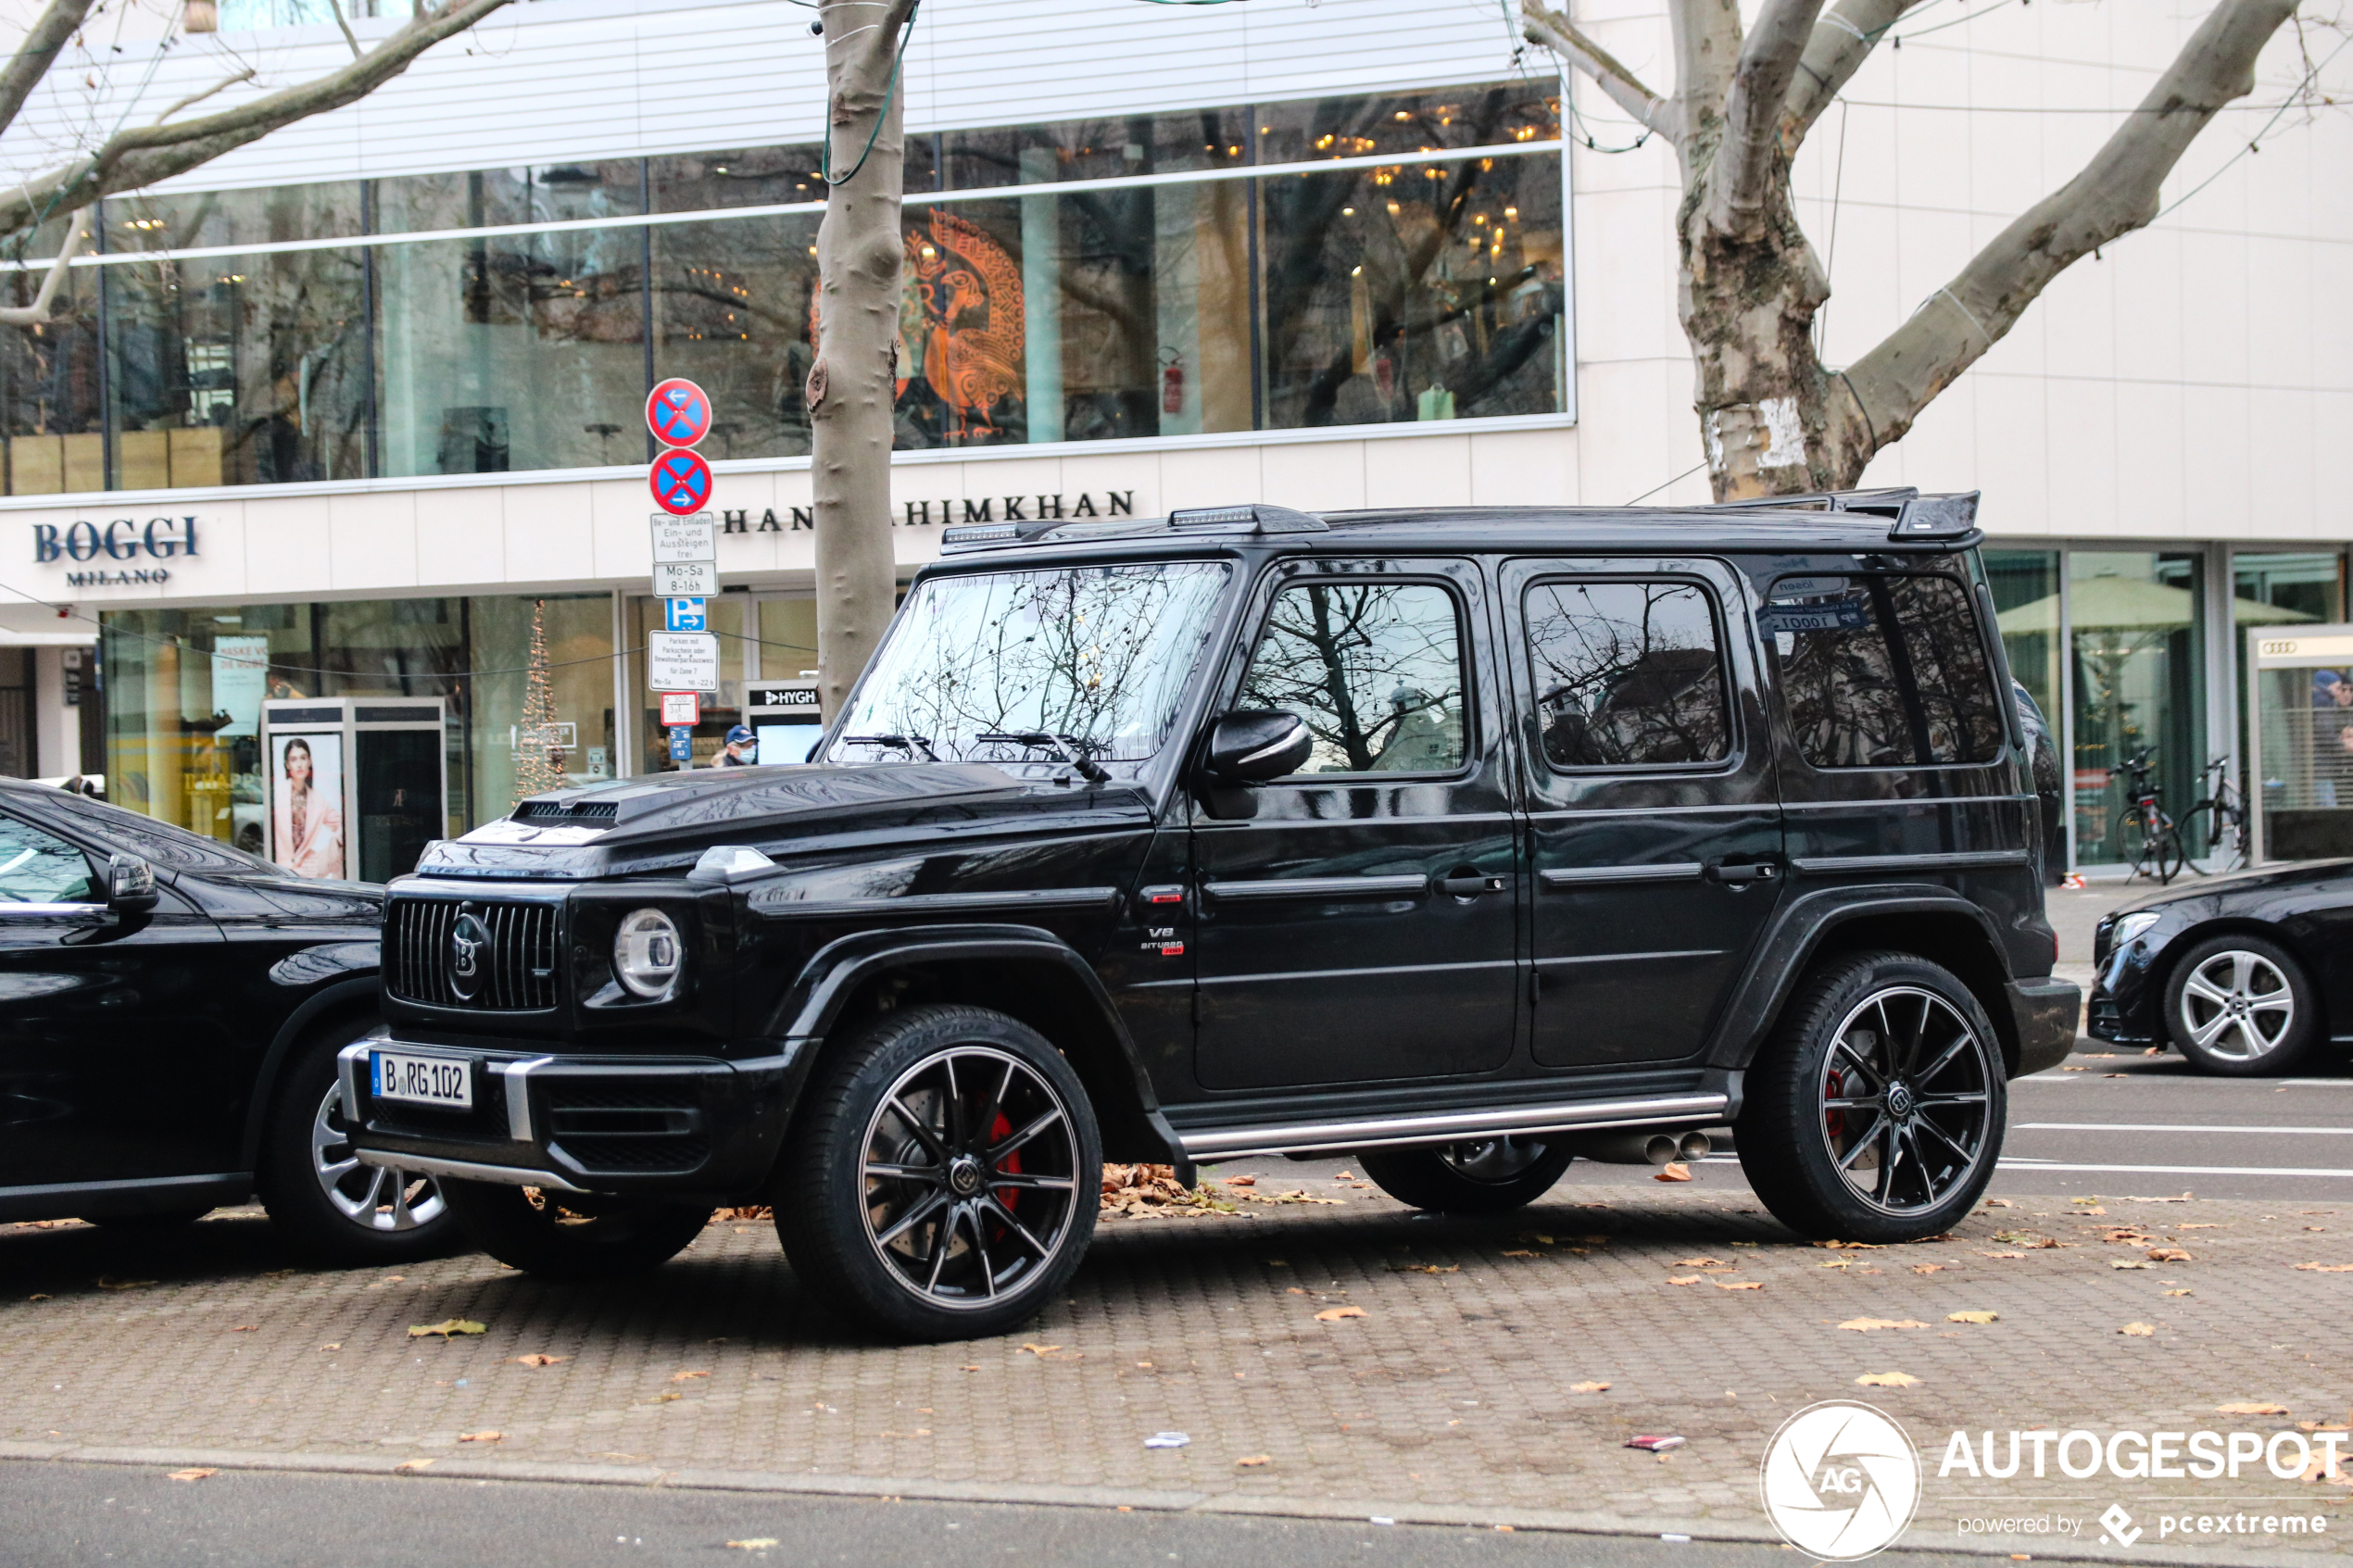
(1139, 1500)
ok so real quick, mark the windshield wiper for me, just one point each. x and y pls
(907, 744)
(1063, 747)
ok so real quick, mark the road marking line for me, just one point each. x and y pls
(2180, 1169)
(2319, 1082)
(2167, 1127)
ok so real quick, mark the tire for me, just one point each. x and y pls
(2157, 847)
(1490, 1176)
(2241, 1006)
(953, 1111)
(334, 1209)
(1875, 1023)
(576, 1236)
(147, 1224)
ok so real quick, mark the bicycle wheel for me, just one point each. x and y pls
(2166, 859)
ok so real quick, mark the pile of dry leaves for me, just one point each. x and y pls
(1153, 1191)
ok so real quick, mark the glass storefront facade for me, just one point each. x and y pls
(1354, 261)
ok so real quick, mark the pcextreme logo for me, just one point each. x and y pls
(1841, 1480)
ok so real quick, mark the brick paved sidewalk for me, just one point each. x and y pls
(1466, 1390)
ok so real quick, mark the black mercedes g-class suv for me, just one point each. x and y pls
(1459, 842)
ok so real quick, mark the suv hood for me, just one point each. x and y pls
(666, 819)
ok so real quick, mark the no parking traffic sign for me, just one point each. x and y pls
(681, 481)
(678, 412)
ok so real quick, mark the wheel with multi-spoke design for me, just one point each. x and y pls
(1490, 1176)
(2240, 1005)
(331, 1207)
(1876, 1110)
(943, 1178)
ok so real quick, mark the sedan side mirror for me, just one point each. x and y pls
(1252, 747)
(131, 884)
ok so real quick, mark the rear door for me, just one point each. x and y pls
(1358, 920)
(1655, 837)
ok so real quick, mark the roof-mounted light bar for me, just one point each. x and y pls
(1255, 518)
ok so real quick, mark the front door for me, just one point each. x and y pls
(1654, 835)
(1356, 921)
(108, 1055)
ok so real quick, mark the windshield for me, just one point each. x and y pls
(1036, 666)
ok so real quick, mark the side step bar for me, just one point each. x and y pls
(1457, 1126)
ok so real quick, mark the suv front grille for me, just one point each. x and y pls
(515, 964)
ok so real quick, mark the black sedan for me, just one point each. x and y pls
(147, 973)
(2243, 974)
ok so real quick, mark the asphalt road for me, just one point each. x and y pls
(64, 1515)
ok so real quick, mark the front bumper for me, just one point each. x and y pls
(2043, 1012)
(580, 1124)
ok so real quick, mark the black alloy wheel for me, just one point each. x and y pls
(1485, 1177)
(1877, 1110)
(943, 1180)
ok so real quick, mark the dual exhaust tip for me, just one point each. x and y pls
(1640, 1148)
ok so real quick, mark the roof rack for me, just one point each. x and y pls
(1911, 515)
(1253, 518)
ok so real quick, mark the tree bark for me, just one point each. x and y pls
(36, 54)
(854, 386)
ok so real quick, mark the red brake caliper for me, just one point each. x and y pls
(1833, 1120)
(997, 1133)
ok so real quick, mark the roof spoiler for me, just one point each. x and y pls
(1911, 515)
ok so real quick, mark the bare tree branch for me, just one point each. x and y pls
(1734, 202)
(2116, 194)
(37, 54)
(193, 99)
(141, 156)
(1707, 46)
(1556, 32)
(37, 313)
(1844, 38)
(349, 36)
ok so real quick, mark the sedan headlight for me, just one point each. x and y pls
(2131, 925)
(647, 957)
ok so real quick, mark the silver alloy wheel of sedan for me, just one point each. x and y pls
(376, 1196)
(2237, 994)
(1494, 1160)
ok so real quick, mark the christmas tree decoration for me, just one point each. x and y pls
(539, 754)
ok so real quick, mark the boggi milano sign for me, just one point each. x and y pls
(125, 539)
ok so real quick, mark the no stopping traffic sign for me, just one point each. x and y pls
(681, 481)
(678, 412)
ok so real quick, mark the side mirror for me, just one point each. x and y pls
(131, 884)
(1251, 747)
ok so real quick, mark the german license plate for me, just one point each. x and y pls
(426, 1080)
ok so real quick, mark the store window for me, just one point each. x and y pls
(2138, 622)
(2026, 607)
(50, 413)
(573, 678)
(764, 639)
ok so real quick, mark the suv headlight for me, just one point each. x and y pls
(648, 955)
(2130, 926)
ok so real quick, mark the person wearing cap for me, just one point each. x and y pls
(2332, 736)
(743, 748)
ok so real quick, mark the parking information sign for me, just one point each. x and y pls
(689, 580)
(682, 661)
(683, 614)
(678, 412)
(681, 481)
(682, 744)
(681, 707)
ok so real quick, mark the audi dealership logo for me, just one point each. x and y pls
(1841, 1481)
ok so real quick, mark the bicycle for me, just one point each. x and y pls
(2153, 838)
(2225, 813)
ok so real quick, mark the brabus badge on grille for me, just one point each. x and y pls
(469, 956)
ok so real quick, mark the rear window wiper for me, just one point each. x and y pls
(907, 744)
(1064, 747)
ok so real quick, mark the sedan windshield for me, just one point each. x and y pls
(1087, 663)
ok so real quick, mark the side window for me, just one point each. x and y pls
(1883, 670)
(1627, 675)
(1375, 670)
(41, 868)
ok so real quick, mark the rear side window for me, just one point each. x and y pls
(1627, 675)
(1883, 669)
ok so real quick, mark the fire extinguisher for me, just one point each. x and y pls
(1172, 386)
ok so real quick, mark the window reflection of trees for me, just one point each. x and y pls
(1858, 699)
(1627, 675)
(1099, 655)
(1374, 668)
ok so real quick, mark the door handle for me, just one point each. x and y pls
(1763, 871)
(1469, 885)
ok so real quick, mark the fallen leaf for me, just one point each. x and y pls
(1686, 1279)
(1587, 1387)
(446, 1328)
(1041, 1352)
(1999, 1203)
(2323, 1426)
(1973, 1316)
(2075, 1069)
(2167, 1255)
(2196, 1225)
(1732, 1284)
(2251, 1407)
(198, 1474)
(39, 1296)
(1426, 1268)
(1522, 1253)
(2027, 1239)
(1887, 1380)
(1241, 1180)
(664, 1398)
(2084, 1201)
(2130, 1263)
(2093, 1210)
(481, 1437)
(337, 1346)
(757, 1543)
(1701, 1263)
(1866, 1325)
(246, 1328)
(2001, 1254)
(1676, 1172)
(1928, 1268)
(686, 1376)
(104, 1283)
(2324, 1268)
(412, 1464)
(539, 1358)
(2138, 1330)
(2177, 1293)
(1252, 1461)
(1333, 1314)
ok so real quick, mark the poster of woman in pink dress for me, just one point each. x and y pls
(307, 807)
